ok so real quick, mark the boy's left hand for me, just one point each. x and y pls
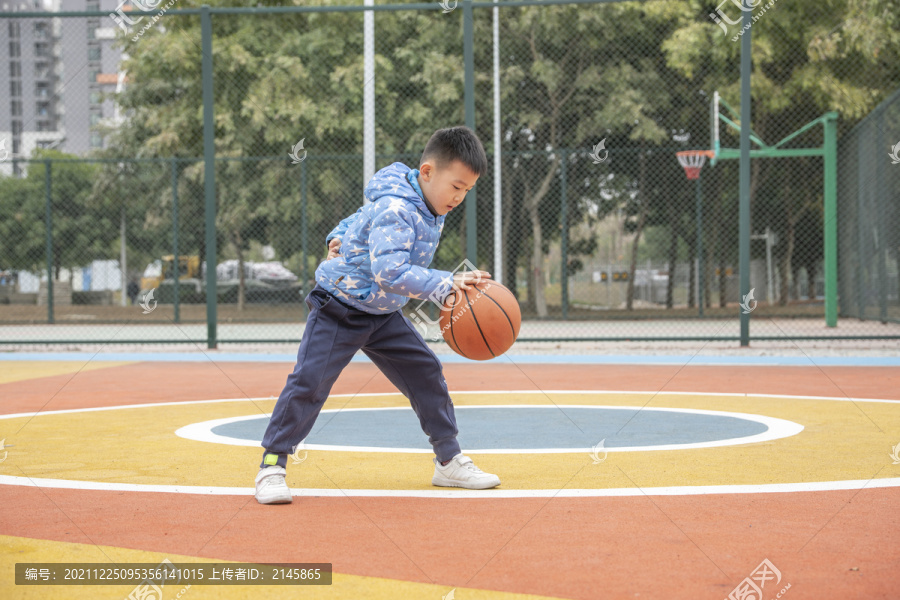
(467, 279)
(334, 248)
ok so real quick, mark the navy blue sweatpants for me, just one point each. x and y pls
(334, 332)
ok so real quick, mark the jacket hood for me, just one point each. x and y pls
(393, 181)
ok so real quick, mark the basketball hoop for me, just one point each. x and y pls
(693, 161)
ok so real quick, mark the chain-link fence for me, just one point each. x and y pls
(106, 221)
(870, 216)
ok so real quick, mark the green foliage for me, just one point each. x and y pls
(630, 73)
(80, 228)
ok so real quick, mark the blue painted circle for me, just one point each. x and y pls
(516, 428)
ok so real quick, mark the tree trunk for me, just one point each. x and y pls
(529, 277)
(707, 278)
(811, 280)
(642, 187)
(812, 263)
(723, 285)
(717, 251)
(757, 176)
(692, 276)
(511, 245)
(673, 254)
(533, 203)
(236, 237)
(537, 261)
(785, 266)
(629, 295)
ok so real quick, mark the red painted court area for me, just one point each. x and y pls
(826, 544)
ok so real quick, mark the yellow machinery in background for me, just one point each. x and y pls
(188, 271)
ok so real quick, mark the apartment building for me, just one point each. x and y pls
(58, 73)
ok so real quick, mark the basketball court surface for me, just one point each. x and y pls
(667, 479)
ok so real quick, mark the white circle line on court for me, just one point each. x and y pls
(540, 493)
(775, 429)
(457, 393)
(543, 392)
(695, 490)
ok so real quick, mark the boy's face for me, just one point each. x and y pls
(445, 188)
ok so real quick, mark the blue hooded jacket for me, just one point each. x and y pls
(386, 247)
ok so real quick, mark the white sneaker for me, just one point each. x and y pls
(462, 472)
(270, 486)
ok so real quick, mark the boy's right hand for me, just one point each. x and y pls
(334, 248)
(466, 279)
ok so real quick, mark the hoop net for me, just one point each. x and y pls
(693, 161)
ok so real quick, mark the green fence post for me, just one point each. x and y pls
(861, 268)
(700, 263)
(209, 176)
(48, 223)
(469, 101)
(744, 178)
(881, 241)
(175, 237)
(564, 242)
(830, 219)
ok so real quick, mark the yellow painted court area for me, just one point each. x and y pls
(840, 441)
(343, 587)
(561, 525)
(14, 370)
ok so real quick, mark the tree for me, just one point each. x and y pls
(79, 230)
(21, 223)
(279, 79)
(572, 73)
(843, 58)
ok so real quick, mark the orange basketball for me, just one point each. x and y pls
(481, 322)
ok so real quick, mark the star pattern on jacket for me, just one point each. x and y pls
(387, 247)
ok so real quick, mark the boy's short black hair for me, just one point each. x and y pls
(456, 143)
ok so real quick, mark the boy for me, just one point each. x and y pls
(377, 259)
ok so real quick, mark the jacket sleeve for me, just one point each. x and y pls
(392, 236)
(339, 231)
